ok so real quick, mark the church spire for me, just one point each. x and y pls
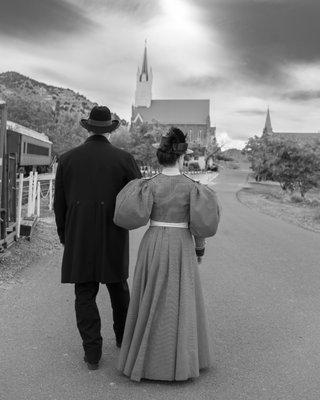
(143, 95)
(145, 62)
(268, 127)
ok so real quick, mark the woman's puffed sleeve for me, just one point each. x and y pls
(134, 204)
(204, 211)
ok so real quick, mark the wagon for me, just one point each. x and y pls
(32, 149)
(21, 149)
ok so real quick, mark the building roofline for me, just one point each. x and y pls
(180, 99)
(15, 127)
(299, 133)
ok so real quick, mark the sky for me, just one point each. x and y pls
(244, 55)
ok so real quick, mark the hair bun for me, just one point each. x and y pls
(172, 140)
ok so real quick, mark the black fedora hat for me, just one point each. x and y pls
(100, 121)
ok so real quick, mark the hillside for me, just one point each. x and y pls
(52, 110)
(235, 154)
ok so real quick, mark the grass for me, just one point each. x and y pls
(316, 216)
(314, 203)
(274, 195)
(293, 208)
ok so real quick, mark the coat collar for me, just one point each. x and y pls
(97, 138)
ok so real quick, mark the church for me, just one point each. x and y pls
(298, 137)
(192, 116)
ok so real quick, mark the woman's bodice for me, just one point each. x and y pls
(171, 198)
(168, 198)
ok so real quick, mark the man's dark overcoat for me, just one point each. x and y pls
(88, 180)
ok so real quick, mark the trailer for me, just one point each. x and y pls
(33, 149)
(8, 224)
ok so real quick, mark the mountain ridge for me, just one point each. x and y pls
(55, 111)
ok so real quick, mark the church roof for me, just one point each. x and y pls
(299, 137)
(305, 137)
(175, 112)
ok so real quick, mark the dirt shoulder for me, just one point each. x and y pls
(24, 253)
(270, 200)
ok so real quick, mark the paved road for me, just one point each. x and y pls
(261, 280)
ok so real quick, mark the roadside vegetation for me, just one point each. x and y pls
(295, 166)
(285, 179)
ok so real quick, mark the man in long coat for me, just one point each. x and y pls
(88, 179)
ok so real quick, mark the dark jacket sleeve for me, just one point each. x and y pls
(133, 169)
(59, 204)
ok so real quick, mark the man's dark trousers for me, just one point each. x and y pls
(88, 317)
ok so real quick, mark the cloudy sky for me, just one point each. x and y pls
(245, 55)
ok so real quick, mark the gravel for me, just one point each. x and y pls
(24, 253)
(270, 202)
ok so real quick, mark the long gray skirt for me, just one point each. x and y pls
(165, 335)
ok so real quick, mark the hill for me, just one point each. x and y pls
(235, 154)
(52, 110)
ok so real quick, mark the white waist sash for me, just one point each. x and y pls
(184, 225)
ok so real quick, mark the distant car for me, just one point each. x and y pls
(213, 167)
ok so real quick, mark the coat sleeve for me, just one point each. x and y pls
(204, 211)
(134, 204)
(60, 204)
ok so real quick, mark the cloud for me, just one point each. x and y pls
(251, 112)
(303, 95)
(241, 54)
(266, 35)
(142, 10)
(227, 142)
(203, 82)
(38, 20)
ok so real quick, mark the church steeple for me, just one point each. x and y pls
(268, 127)
(143, 94)
(144, 63)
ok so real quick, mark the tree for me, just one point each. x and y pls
(294, 166)
(121, 138)
(213, 150)
(297, 167)
(142, 139)
(260, 153)
(198, 149)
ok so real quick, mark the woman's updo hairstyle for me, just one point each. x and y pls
(172, 146)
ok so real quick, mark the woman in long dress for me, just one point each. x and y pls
(165, 336)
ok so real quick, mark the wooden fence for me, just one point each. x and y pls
(37, 191)
(31, 191)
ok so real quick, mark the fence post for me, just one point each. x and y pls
(35, 188)
(30, 194)
(19, 209)
(50, 194)
(38, 199)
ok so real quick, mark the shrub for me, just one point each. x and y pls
(295, 198)
(294, 166)
(314, 203)
(274, 195)
(316, 216)
(222, 157)
(233, 165)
